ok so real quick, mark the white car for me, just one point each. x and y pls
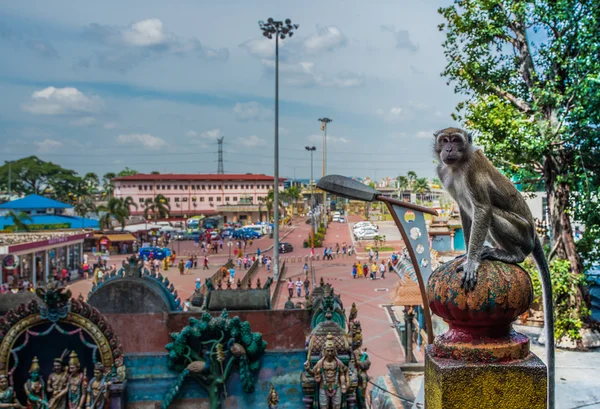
(342, 219)
(367, 234)
(335, 218)
(364, 226)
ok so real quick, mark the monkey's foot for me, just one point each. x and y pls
(461, 256)
(469, 278)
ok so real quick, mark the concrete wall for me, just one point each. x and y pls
(149, 333)
(148, 379)
(441, 243)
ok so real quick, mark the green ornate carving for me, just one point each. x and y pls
(208, 349)
(326, 300)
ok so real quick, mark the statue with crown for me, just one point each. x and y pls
(330, 376)
(75, 388)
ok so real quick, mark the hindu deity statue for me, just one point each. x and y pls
(34, 388)
(361, 364)
(76, 384)
(8, 398)
(330, 374)
(57, 385)
(98, 389)
(273, 399)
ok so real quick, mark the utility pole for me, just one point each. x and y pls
(10, 178)
(312, 149)
(324, 121)
(220, 165)
(280, 30)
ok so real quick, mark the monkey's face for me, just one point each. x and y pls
(451, 145)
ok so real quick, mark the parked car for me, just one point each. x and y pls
(336, 218)
(225, 233)
(158, 253)
(364, 227)
(342, 219)
(285, 248)
(366, 234)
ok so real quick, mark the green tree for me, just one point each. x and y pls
(84, 206)
(411, 175)
(32, 175)
(155, 172)
(421, 186)
(292, 194)
(403, 183)
(107, 185)
(534, 104)
(116, 209)
(159, 208)
(19, 219)
(127, 172)
(91, 182)
(269, 203)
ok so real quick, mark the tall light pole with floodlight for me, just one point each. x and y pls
(278, 29)
(312, 150)
(324, 121)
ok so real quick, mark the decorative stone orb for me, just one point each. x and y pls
(480, 320)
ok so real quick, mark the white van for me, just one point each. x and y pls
(260, 229)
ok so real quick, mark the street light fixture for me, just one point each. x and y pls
(279, 30)
(324, 121)
(312, 150)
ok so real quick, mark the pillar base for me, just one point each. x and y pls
(453, 384)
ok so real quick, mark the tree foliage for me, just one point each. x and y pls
(19, 219)
(159, 208)
(117, 209)
(527, 68)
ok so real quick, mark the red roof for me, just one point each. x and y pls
(207, 177)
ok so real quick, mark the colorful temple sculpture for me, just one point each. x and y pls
(335, 372)
(58, 352)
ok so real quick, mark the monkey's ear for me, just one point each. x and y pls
(437, 133)
(470, 137)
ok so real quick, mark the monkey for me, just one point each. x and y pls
(492, 209)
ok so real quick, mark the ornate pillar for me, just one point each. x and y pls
(481, 362)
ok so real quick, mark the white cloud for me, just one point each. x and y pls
(397, 114)
(144, 33)
(60, 101)
(425, 134)
(47, 145)
(316, 138)
(250, 141)
(262, 47)
(110, 125)
(326, 39)
(85, 121)
(246, 111)
(304, 74)
(146, 140)
(191, 134)
(402, 38)
(211, 134)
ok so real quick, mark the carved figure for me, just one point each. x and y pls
(258, 283)
(57, 382)
(361, 364)
(331, 375)
(98, 394)
(8, 398)
(34, 388)
(273, 399)
(76, 384)
(220, 285)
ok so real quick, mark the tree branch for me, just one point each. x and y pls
(517, 102)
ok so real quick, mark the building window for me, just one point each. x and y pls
(177, 199)
(180, 187)
(140, 187)
(202, 199)
(210, 199)
(145, 187)
(247, 186)
(163, 187)
(184, 199)
(227, 199)
(215, 187)
(168, 187)
(224, 186)
(204, 187)
(218, 198)
(236, 186)
(193, 187)
(141, 200)
(157, 187)
(235, 198)
(168, 200)
(209, 187)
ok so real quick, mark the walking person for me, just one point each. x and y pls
(371, 255)
(366, 270)
(354, 271)
(290, 286)
(195, 261)
(374, 269)
(382, 269)
(299, 285)
(181, 266)
(205, 267)
(305, 268)
(306, 285)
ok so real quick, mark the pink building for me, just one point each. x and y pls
(238, 197)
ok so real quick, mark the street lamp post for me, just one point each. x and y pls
(279, 29)
(312, 150)
(324, 121)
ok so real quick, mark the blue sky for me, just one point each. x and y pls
(97, 86)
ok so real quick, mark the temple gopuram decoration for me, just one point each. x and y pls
(208, 349)
(68, 337)
(335, 372)
(133, 278)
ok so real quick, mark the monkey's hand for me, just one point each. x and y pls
(469, 279)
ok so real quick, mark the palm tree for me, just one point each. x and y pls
(127, 203)
(107, 185)
(269, 202)
(84, 206)
(421, 186)
(91, 182)
(412, 177)
(115, 209)
(292, 194)
(159, 208)
(19, 220)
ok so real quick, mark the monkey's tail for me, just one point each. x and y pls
(542, 264)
